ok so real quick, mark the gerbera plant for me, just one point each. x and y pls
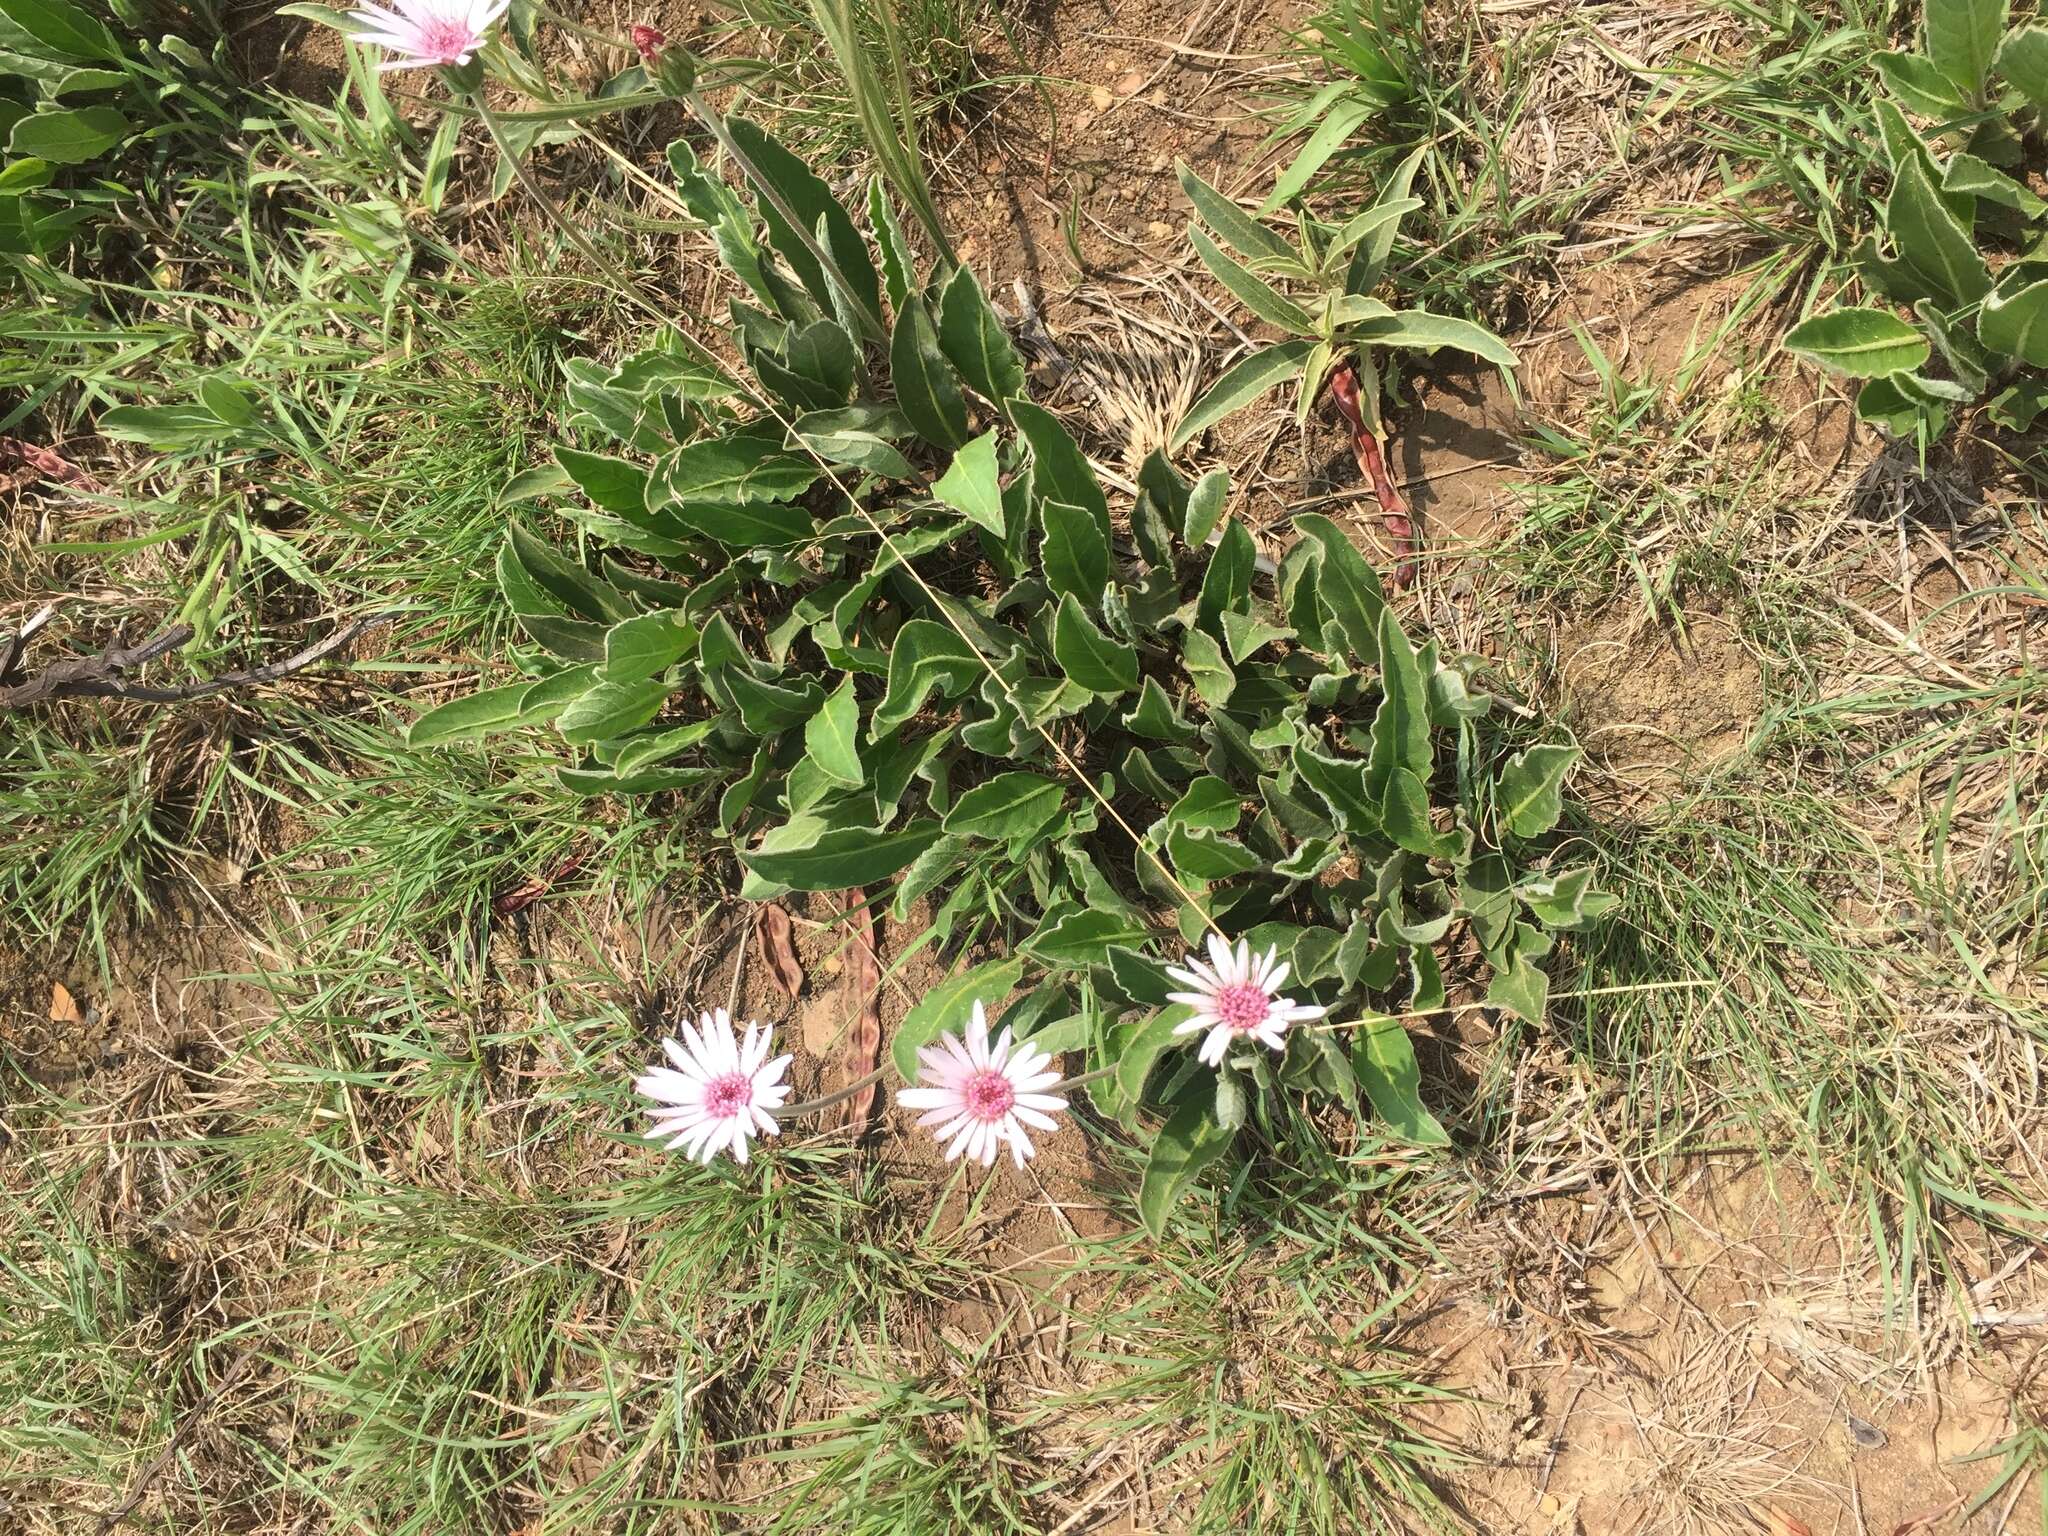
(866, 607)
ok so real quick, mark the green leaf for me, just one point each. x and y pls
(1531, 799)
(832, 736)
(812, 201)
(1141, 1049)
(1081, 937)
(1207, 802)
(470, 718)
(611, 709)
(2017, 324)
(947, 1007)
(1006, 807)
(163, 427)
(1920, 86)
(1419, 328)
(1400, 729)
(1202, 855)
(1332, 130)
(769, 709)
(1934, 244)
(644, 645)
(1205, 507)
(1388, 211)
(1567, 901)
(1885, 403)
(839, 858)
(972, 485)
(1157, 717)
(1254, 293)
(1339, 782)
(2018, 405)
(2023, 60)
(1060, 471)
(1075, 554)
(926, 655)
(1383, 1059)
(1261, 246)
(1241, 383)
(860, 435)
(1369, 261)
(1521, 987)
(1227, 583)
(59, 29)
(764, 525)
(1862, 343)
(739, 469)
(975, 342)
(1968, 176)
(1103, 666)
(1203, 660)
(1188, 1143)
(610, 483)
(926, 387)
(1962, 38)
(565, 581)
(899, 267)
(68, 138)
(1347, 585)
(1246, 634)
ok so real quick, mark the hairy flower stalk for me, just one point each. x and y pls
(979, 1096)
(1236, 996)
(425, 34)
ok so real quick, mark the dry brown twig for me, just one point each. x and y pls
(105, 676)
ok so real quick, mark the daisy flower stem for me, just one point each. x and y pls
(1068, 1084)
(838, 1096)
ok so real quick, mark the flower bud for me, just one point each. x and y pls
(674, 70)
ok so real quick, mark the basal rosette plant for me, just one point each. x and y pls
(1964, 243)
(872, 609)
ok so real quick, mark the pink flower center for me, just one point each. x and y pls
(1241, 1005)
(728, 1095)
(987, 1095)
(444, 39)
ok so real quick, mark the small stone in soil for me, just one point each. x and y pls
(1100, 98)
(1131, 84)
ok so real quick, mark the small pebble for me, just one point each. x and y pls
(1131, 84)
(1100, 98)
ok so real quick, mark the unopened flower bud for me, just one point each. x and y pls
(672, 69)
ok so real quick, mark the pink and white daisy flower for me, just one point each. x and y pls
(1236, 995)
(420, 34)
(982, 1095)
(721, 1091)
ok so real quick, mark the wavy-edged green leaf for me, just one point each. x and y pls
(1079, 937)
(925, 655)
(839, 858)
(947, 1007)
(832, 736)
(972, 485)
(740, 469)
(1103, 665)
(1962, 39)
(1383, 1059)
(1188, 1143)
(1369, 261)
(808, 197)
(606, 710)
(646, 644)
(899, 266)
(59, 30)
(1075, 555)
(1059, 469)
(1239, 385)
(1006, 807)
(1919, 85)
(926, 387)
(611, 483)
(1933, 242)
(1346, 585)
(1531, 788)
(469, 718)
(2023, 60)
(974, 341)
(863, 436)
(1419, 328)
(2016, 324)
(1862, 343)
